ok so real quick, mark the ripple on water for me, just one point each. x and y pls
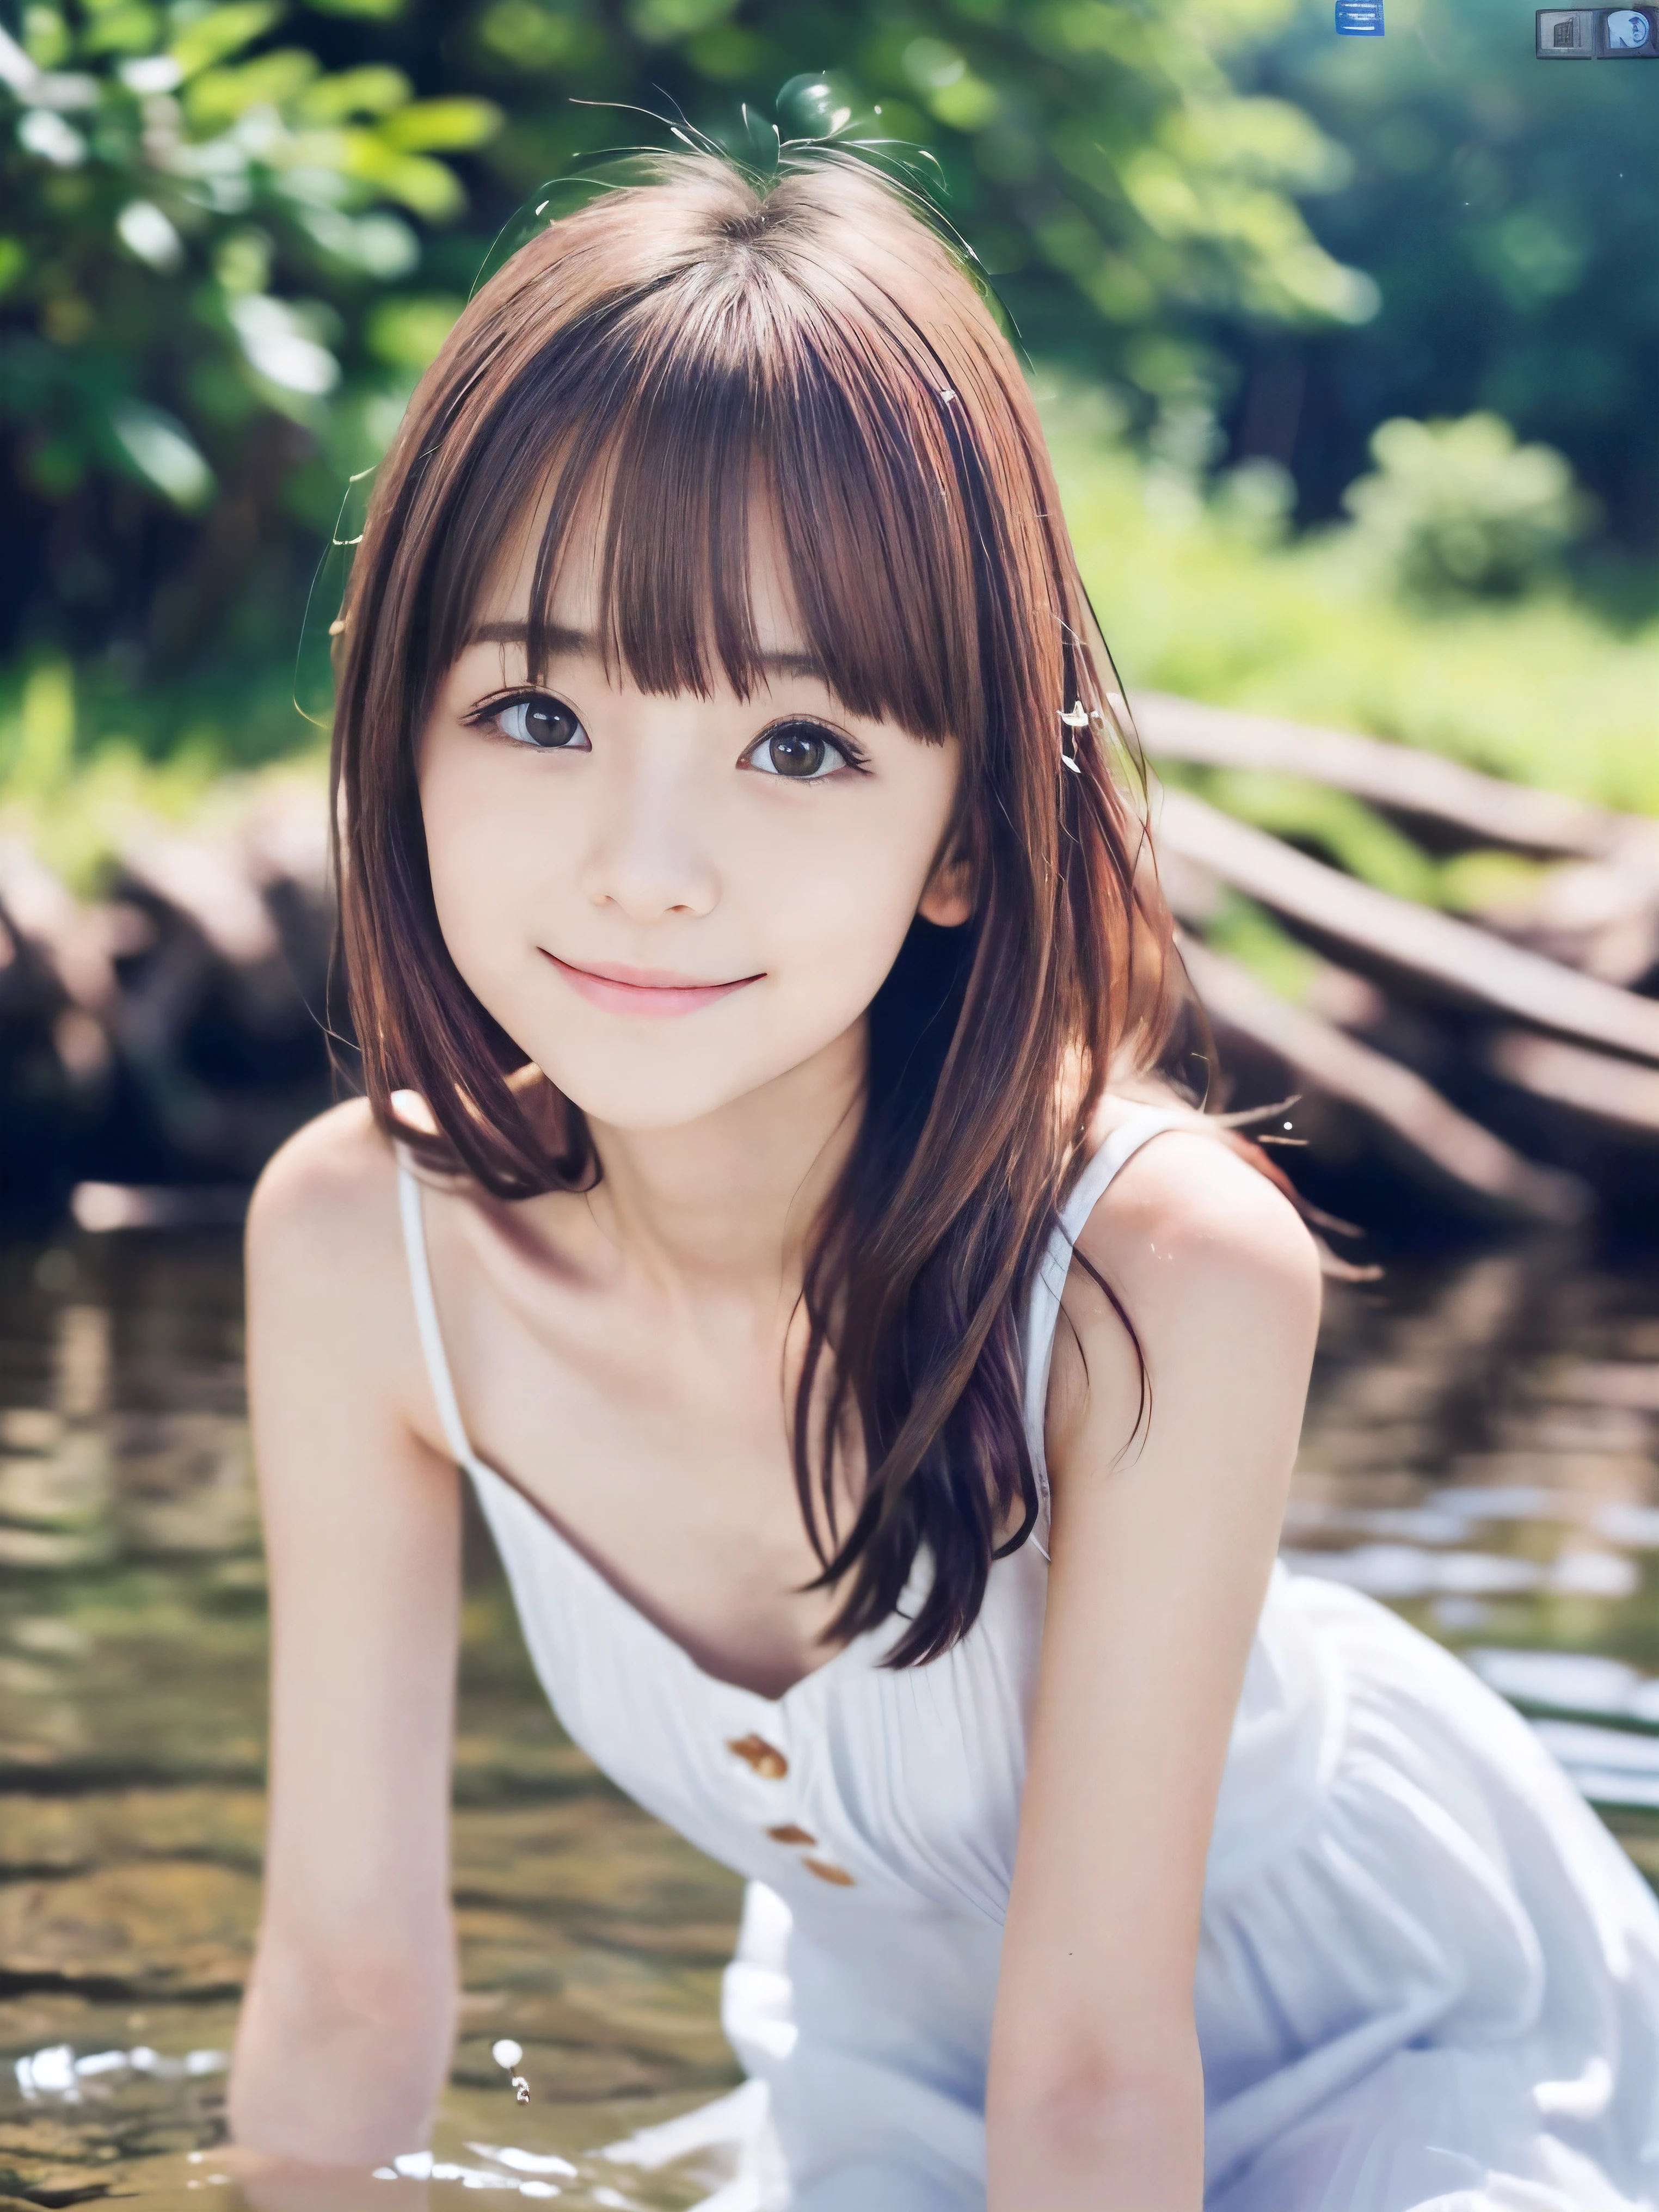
(1480, 1452)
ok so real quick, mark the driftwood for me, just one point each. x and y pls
(1398, 777)
(168, 1031)
(1599, 912)
(1612, 1090)
(1432, 948)
(1323, 1057)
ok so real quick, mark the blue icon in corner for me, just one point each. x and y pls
(1359, 19)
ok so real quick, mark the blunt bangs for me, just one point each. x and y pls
(662, 429)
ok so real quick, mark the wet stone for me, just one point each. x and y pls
(166, 1928)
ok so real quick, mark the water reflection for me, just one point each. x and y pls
(1481, 1453)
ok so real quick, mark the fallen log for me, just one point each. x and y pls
(1413, 1113)
(1399, 777)
(1613, 1090)
(163, 1033)
(1432, 947)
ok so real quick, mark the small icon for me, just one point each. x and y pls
(1566, 34)
(1628, 34)
(1359, 19)
(1607, 34)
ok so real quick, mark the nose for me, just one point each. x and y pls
(647, 856)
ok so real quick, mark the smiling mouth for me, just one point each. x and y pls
(650, 994)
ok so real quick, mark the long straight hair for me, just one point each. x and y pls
(674, 357)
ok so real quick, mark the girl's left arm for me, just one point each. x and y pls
(1163, 1540)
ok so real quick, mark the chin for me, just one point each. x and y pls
(659, 1098)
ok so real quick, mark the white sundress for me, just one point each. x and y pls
(1428, 1977)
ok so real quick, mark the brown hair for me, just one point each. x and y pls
(683, 347)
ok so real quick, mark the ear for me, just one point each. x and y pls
(948, 901)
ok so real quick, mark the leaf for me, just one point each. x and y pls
(222, 32)
(415, 180)
(160, 449)
(218, 96)
(376, 89)
(280, 347)
(407, 333)
(441, 126)
(378, 10)
(128, 29)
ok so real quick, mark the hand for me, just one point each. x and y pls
(263, 2183)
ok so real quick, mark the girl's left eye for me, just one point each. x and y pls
(542, 721)
(805, 752)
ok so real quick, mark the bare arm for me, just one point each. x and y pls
(1162, 1547)
(346, 2032)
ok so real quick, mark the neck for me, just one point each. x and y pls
(727, 1204)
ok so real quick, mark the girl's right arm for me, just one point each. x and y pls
(346, 2032)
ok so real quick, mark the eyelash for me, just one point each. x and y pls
(488, 716)
(853, 758)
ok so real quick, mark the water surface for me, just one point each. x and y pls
(1480, 1452)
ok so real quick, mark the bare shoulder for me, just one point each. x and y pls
(1187, 1215)
(327, 1203)
(1212, 1271)
(334, 1350)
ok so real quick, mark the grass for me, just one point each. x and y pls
(75, 783)
(1197, 598)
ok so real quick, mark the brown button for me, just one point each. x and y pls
(768, 1761)
(789, 1833)
(825, 1872)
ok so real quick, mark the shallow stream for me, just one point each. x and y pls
(1483, 1452)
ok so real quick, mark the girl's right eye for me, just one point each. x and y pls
(538, 719)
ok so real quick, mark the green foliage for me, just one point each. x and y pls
(224, 258)
(200, 227)
(1455, 508)
(1098, 158)
(1539, 688)
(74, 802)
(231, 235)
(1506, 211)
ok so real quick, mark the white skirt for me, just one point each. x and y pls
(1428, 1981)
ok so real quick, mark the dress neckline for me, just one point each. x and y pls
(611, 1593)
(484, 1474)
(1043, 1313)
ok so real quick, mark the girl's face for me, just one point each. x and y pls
(670, 901)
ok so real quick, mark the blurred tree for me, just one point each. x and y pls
(1097, 156)
(1506, 211)
(201, 224)
(227, 256)
(1455, 510)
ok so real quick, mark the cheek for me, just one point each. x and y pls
(488, 854)
(837, 907)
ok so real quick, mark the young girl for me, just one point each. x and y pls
(883, 1419)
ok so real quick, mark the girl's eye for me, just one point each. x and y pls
(804, 752)
(546, 723)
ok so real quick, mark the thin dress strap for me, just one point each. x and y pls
(426, 1314)
(1042, 1315)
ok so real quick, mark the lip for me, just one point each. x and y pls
(647, 994)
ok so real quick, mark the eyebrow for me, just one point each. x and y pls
(577, 644)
